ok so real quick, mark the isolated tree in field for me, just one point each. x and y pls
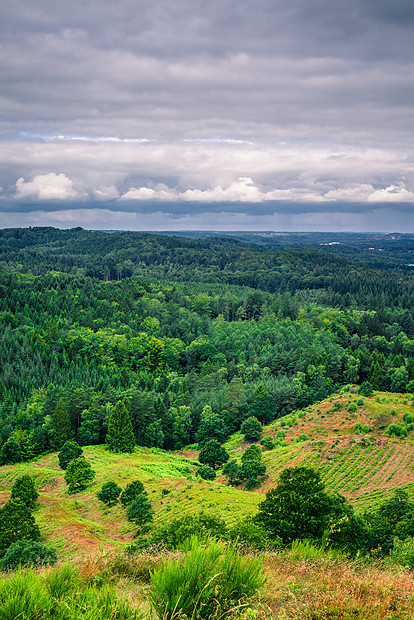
(70, 450)
(120, 437)
(213, 454)
(140, 511)
(16, 523)
(24, 489)
(109, 493)
(131, 492)
(78, 474)
(62, 431)
(366, 389)
(298, 507)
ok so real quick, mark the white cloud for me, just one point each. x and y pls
(49, 186)
(392, 193)
(106, 193)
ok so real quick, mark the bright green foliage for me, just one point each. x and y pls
(208, 582)
(78, 474)
(203, 525)
(109, 493)
(267, 442)
(62, 431)
(402, 552)
(69, 451)
(252, 473)
(212, 426)
(213, 454)
(133, 490)
(263, 406)
(60, 595)
(253, 535)
(206, 472)
(10, 452)
(16, 523)
(298, 507)
(252, 453)
(27, 552)
(120, 437)
(24, 489)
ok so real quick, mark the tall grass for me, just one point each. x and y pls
(209, 581)
(60, 595)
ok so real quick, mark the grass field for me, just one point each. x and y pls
(366, 467)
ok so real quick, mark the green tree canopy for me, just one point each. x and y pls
(70, 450)
(298, 507)
(213, 454)
(78, 473)
(120, 437)
(24, 489)
(16, 523)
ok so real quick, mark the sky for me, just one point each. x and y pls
(217, 115)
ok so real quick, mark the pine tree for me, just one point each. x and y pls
(24, 489)
(16, 523)
(120, 437)
(62, 431)
(78, 473)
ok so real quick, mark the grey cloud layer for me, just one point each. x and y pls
(314, 100)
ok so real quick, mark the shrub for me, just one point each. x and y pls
(78, 474)
(403, 552)
(249, 533)
(352, 408)
(24, 489)
(251, 429)
(209, 581)
(109, 493)
(397, 429)
(177, 531)
(213, 454)
(267, 442)
(27, 552)
(360, 402)
(252, 453)
(408, 418)
(131, 492)
(357, 428)
(10, 452)
(206, 472)
(366, 389)
(70, 450)
(16, 523)
(140, 511)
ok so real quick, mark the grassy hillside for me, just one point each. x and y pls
(344, 439)
(365, 466)
(82, 523)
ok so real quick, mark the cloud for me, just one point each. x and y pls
(49, 186)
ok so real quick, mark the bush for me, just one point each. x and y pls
(206, 472)
(78, 474)
(366, 389)
(267, 442)
(109, 493)
(408, 418)
(396, 430)
(352, 408)
(251, 429)
(403, 552)
(213, 454)
(16, 523)
(24, 489)
(70, 450)
(140, 511)
(131, 492)
(27, 552)
(177, 531)
(209, 581)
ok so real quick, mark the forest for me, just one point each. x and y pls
(169, 325)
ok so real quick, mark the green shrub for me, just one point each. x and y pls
(203, 525)
(352, 408)
(24, 489)
(131, 492)
(27, 552)
(251, 429)
(69, 451)
(206, 472)
(78, 473)
(408, 418)
(357, 428)
(366, 389)
(267, 442)
(109, 493)
(301, 437)
(209, 581)
(397, 429)
(403, 552)
(360, 402)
